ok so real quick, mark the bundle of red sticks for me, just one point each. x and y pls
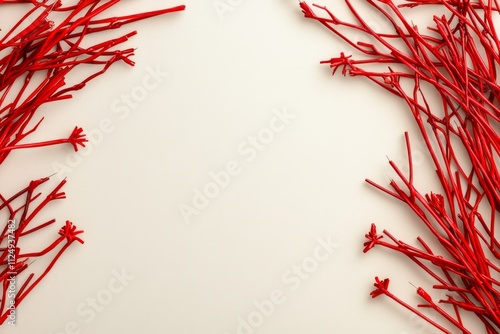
(455, 60)
(36, 55)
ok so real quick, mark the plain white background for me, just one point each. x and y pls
(229, 73)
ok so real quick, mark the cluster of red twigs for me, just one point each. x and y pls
(36, 56)
(454, 60)
(23, 208)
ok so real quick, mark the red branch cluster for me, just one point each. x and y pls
(456, 60)
(22, 209)
(36, 55)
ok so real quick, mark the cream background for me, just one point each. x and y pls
(226, 76)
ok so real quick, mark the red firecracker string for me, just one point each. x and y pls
(458, 57)
(36, 55)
